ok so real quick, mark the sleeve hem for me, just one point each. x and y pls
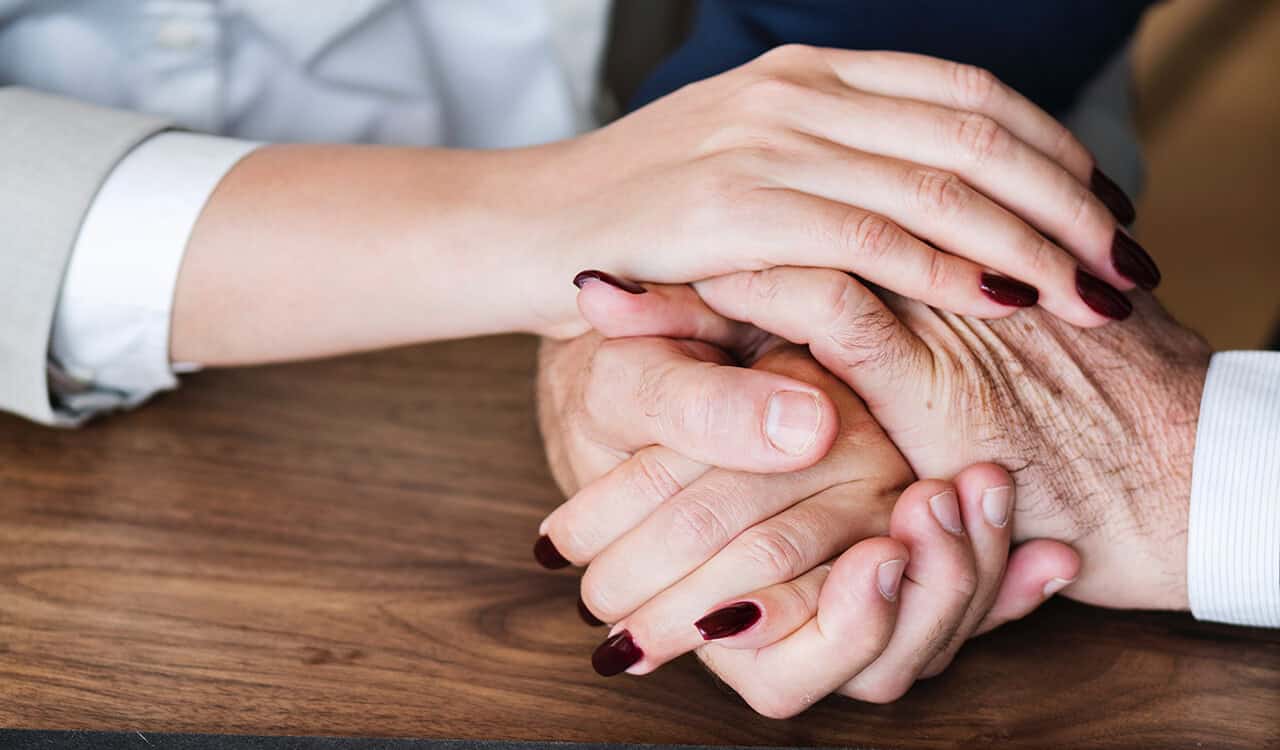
(1233, 534)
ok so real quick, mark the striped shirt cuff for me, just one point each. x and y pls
(1233, 535)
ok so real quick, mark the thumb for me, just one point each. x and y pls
(619, 308)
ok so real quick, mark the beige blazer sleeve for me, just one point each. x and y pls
(54, 155)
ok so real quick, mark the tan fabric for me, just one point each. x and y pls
(54, 154)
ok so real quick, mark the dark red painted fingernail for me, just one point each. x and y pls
(630, 287)
(1133, 262)
(618, 652)
(1101, 297)
(586, 615)
(728, 621)
(1112, 196)
(1006, 291)
(545, 552)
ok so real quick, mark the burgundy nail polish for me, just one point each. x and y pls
(618, 652)
(586, 615)
(630, 287)
(545, 552)
(1133, 262)
(728, 621)
(1101, 297)
(1006, 291)
(1112, 196)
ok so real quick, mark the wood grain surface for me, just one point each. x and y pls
(342, 548)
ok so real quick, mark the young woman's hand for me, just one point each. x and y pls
(922, 176)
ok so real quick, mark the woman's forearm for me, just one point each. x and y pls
(307, 251)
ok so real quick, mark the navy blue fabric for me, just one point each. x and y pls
(1047, 49)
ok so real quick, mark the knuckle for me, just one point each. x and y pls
(939, 192)
(773, 549)
(833, 292)
(716, 198)
(1038, 255)
(980, 138)
(974, 87)
(789, 55)
(771, 93)
(871, 235)
(701, 412)
(882, 691)
(775, 702)
(865, 338)
(793, 600)
(763, 287)
(965, 583)
(937, 275)
(652, 477)
(1082, 201)
(602, 378)
(1068, 150)
(697, 524)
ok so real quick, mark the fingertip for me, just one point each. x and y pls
(987, 491)
(615, 312)
(926, 508)
(799, 423)
(860, 566)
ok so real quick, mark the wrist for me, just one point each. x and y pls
(1140, 477)
(1106, 444)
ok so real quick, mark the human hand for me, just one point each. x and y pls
(837, 637)
(1099, 425)
(917, 174)
(663, 554)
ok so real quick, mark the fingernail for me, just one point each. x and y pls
(545, 552)
(996, 502)
(1133, 262)
(1101, 297)
(1006, 291)
(945, 508)
(1055, 585)
(586, 615)
(1112, 197)
(728, 621)
(791, 421)
(618, 652)
(889, 577)
(630, 287)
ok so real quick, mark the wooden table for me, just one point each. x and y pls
(343, 548)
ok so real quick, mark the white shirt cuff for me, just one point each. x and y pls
(1233, 534)
(110, 343)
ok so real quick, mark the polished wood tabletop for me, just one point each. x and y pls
(343, 548)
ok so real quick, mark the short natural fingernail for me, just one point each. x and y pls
(1055, 585)
(545, 552)
(791, 421)
(1101, 297)
(996, 502)
(618, 652)
(1009, 292)
(1133, 262)
(630, 287)
(728, 621)
(945, 508)
(586, 615)
(889, 578)
(1112, 196)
